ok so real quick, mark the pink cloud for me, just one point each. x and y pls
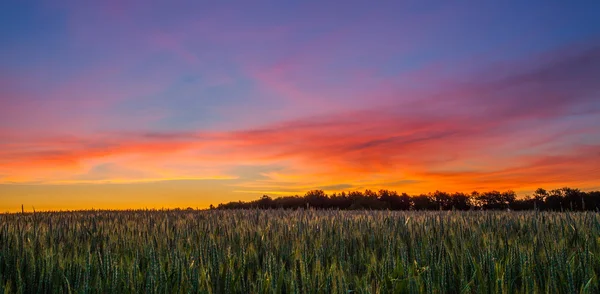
(464, 138)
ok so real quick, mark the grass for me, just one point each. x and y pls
(277, 251)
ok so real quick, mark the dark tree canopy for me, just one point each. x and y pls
(564, 199)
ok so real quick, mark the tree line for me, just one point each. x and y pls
(564, 199)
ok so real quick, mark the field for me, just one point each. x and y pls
(278, 251)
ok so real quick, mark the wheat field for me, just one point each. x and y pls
(302, 251)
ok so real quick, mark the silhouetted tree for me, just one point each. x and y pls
(495, 200)
(423, 202)
(394, 201)
(265, 202)
(442, 200)
(573, 199)
(554, 200)
(539, 198)
(460, 201)
(527, 203)
(508, 198)
(557, 200)
(592, 201)
(316, 199)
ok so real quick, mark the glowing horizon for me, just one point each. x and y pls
(130, 105)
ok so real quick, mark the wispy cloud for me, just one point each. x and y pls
(466, 136)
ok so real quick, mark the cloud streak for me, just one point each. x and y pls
(523, 129)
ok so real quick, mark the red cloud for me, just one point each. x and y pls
(473, 136)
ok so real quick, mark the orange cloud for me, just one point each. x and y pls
(535, 127)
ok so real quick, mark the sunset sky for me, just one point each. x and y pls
(129, 104)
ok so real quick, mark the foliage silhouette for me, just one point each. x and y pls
(564, 199)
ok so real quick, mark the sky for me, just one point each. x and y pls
(163, 104)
